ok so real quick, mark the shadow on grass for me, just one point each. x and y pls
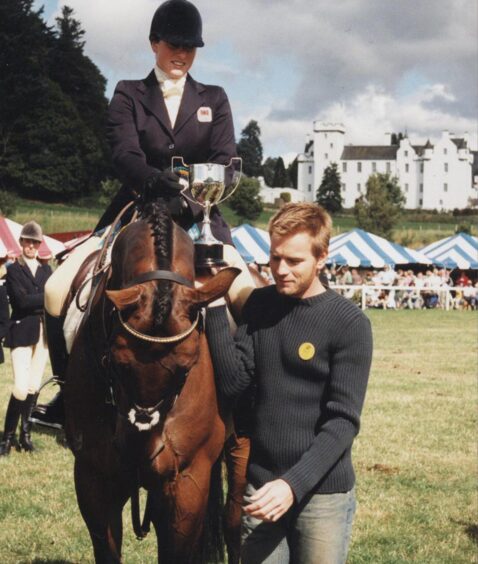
(46, 561)
(57, 434)
(471, 530)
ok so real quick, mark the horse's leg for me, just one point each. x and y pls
(179, 516)
(101, 504)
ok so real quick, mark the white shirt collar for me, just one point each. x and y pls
(166, 82)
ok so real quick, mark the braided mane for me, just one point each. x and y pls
(157, 215)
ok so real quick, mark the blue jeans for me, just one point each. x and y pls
(317, 531)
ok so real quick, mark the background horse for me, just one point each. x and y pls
(141, 405)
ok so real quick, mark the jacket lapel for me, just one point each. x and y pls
(153, 99)
(192, 100)
(26, 269)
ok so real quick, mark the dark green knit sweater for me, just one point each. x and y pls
(307, 410)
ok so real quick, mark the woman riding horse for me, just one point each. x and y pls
(151, 120)
(141, 406)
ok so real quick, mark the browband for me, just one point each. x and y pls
(159, 275)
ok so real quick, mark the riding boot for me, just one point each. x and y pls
(52, 414)
(11, 421)
(26, 426)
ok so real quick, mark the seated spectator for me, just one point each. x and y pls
(469, 295)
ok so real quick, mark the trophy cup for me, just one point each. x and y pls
(207, 186)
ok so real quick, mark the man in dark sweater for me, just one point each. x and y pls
(308, 351)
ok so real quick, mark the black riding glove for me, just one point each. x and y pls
(166, 186)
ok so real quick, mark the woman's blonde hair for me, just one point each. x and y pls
(294, 218)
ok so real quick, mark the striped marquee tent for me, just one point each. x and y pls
(9, 241)
(357, 248)
(252, 243)
(458, 251)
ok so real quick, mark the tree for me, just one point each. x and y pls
(250, 149)
(292, 172)
(280, 179)
(246, 201)
(328, 194)
(379, 209)
(51, 115)
(268, 170)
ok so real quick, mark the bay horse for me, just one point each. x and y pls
(140, 398)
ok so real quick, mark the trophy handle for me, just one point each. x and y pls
(239, 175)
(179, 167)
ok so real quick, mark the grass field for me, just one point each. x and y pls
(416, 459)
(56, 218)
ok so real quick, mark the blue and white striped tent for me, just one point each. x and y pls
(458, 251)
(357, 248)
(252, 243)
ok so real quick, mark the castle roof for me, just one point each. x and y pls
(459, 142)
(369, 153)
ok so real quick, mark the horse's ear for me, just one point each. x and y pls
(215, 287)
(126, 297)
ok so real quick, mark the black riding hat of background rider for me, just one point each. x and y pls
(178, 22)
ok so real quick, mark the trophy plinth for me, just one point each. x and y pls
(207, 187)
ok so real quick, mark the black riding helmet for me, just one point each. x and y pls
(177, 22)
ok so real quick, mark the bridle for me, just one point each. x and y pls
(148, 277)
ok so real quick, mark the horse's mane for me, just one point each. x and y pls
(157, 215)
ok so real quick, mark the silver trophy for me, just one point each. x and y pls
(208, 184)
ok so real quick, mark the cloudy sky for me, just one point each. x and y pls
(375, 65)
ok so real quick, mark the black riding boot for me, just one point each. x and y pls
(11, 421)
(52, 414)
(26, 426)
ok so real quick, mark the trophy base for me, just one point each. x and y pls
(208, 256)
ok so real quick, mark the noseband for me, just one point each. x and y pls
(159, 275)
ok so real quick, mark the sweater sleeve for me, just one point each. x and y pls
(350, 367)
(232, 357)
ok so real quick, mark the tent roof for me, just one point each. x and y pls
(359, 248)
(252, 243)
(456, 251)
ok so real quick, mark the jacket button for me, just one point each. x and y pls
(171, 146)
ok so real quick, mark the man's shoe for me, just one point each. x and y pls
(51, 414)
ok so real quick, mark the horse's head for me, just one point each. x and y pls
(156, 321)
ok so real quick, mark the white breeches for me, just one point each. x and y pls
(28, 367)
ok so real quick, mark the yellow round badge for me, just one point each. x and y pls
(306, 351)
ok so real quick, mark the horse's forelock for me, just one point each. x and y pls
(157, 215)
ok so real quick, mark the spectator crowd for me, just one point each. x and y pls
(405, 289)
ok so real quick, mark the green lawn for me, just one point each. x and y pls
(415, 458)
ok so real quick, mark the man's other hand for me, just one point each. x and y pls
(271, 501)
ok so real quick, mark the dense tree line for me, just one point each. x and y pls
(52, 107)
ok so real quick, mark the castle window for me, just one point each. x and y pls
(343, 187)
(406, 187)
(407, 167)
(406, 153)
(359, 187)
(389, 167)
(420, 202)
(344, 167)
(309, 188)
(441, 202)
(421, 167)
(374, 167)
(421, 188)
(445, 151)
(359, 167)
(446, 167)
(445, 187)
(310, 170)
